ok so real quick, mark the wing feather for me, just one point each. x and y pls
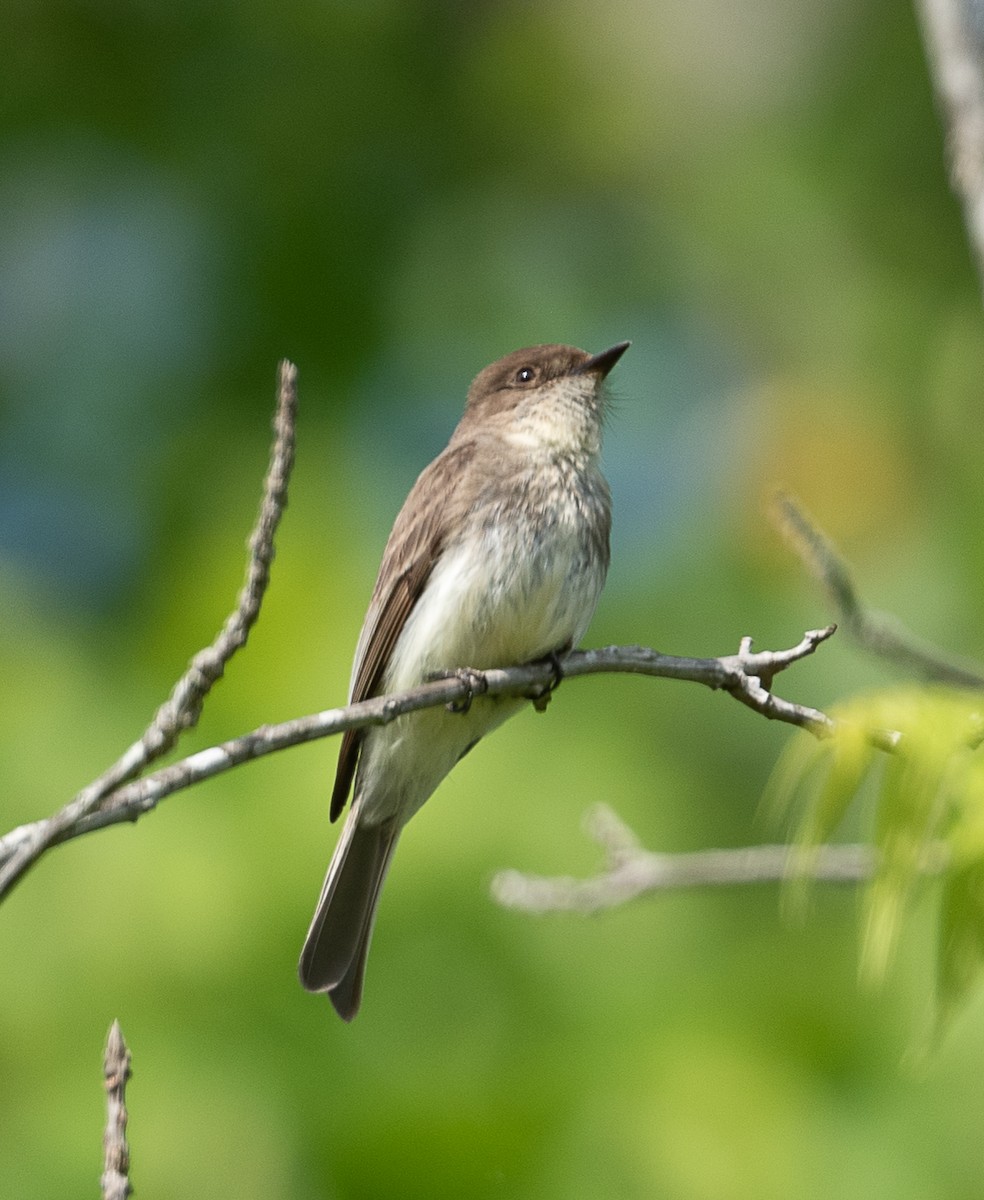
(415, 544)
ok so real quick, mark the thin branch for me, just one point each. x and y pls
(747, 675)
(879, 633)
(953, 31)
(115, 1180)
(631, 871)
(741, 675)
(183, 707)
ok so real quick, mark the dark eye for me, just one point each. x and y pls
(525, 375)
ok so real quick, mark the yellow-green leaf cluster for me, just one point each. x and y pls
(917, 752)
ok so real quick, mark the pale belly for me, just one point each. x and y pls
(483, 608)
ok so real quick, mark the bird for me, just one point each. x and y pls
(497, 558)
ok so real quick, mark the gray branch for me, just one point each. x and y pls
(879, 633)
(631, 871)
(115, 1179)
(953, 31)
(183, 707)
(746, 676)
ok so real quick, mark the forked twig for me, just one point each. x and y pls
(182, 708)
(741, 675)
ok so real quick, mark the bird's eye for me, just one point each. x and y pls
(525, 375)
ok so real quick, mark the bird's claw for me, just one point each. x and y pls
(476, 684)
(542, 697)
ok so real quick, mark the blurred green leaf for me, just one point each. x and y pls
(961, 937)
(928, 790)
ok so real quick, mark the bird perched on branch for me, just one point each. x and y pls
(497, 558)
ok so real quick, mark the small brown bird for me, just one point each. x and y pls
(497, 557)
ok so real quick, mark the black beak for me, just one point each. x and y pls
(602, 363)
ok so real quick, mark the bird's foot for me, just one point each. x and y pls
(476, 684)
(541, 698)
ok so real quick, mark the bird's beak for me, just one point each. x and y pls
(602, 363)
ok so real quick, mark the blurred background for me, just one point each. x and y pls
(394, 193)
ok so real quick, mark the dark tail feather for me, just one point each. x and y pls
(334, 956)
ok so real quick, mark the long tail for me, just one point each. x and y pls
(334, 956)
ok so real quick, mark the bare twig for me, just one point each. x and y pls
(115, 1180)
(183, 707)
(631, 871)
(953, 31)
(746, 675)
(879, 633)
(741, 675)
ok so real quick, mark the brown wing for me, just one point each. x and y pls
(413, 548)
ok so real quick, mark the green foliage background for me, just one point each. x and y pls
(394, 193)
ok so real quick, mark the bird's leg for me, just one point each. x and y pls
(542, 696)
(476, 684)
